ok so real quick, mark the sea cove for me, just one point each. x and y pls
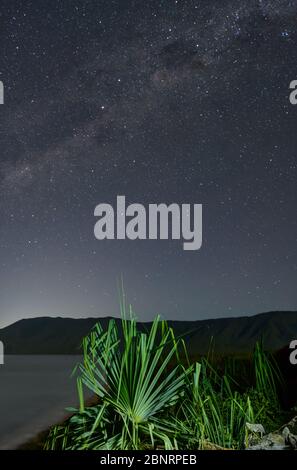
(34, 394)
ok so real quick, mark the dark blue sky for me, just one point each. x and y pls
(162, 101)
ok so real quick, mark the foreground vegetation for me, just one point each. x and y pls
(151, 397)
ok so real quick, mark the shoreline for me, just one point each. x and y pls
(37, 441)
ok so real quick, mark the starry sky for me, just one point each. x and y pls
(162, 101)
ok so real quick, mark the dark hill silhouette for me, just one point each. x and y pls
(46, 335)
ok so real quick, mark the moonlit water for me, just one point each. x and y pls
(34, 392)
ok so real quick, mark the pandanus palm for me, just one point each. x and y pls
(136, 377)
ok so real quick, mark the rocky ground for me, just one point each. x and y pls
(283, 439)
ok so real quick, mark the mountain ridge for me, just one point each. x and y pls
(63, 335)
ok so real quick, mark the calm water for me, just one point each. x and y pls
(34, 392)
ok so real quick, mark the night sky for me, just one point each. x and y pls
(160, 101)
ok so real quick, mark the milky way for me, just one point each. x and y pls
(161, 101)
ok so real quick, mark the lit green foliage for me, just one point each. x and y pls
(148, 397)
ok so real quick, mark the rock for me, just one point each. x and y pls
(207, 445)
(255, 428)
(290, 439)
(272, 441)
(292, 426)
(255, 432)
(284, 439)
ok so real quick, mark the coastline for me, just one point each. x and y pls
(35, 392)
